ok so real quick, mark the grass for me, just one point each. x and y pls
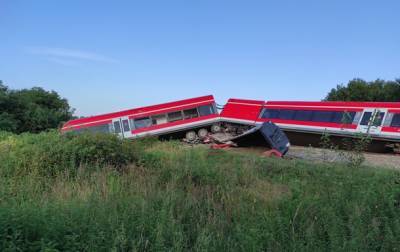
(109, 194)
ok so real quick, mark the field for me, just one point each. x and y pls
(99, 193)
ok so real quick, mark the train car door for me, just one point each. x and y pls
(126, 127)
(371, 121)
(122, 127)
(117, 125)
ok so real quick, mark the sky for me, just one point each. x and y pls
(105, 56)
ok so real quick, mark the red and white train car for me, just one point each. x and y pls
(305, 122)
(241, 111)
(190, 116)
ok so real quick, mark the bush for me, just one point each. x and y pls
(179, 198)
(48, 153)
(4, 135)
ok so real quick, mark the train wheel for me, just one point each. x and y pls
(191, 136)
(215, 128)
(202, 133)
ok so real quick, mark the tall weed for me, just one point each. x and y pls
(173, 197)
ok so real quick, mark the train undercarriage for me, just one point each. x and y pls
(217, 132)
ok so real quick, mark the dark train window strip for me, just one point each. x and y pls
(395, 121)
(174, 116)
(309, 115)
(103, 128)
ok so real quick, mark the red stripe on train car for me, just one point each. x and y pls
(391, 129)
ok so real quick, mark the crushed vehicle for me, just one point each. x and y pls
(266, 135)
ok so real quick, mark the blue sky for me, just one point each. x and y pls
(109, 55)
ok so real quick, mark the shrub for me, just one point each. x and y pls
(48, 153)
(4, 135)
(181, 198)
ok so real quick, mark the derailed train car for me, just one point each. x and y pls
(190, 117)
(305, 122)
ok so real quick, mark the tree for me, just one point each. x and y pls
(32, 110)
(361, 90)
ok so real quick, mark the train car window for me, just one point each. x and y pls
(76, 131)
(190, 113)
(265, 113)
(103, 128)
(303, 115)
(345, 117)
(125, 125)
(365, 119)
(175, 116)
(142, 122)
(286, 114)
(270, 113)
(395, 121)
(337, 117)
(159, 119)
(378, 119)
(322, 116)
(132, 124)
(388, 120)
(117, 127)
(350, 116)
(206, 110)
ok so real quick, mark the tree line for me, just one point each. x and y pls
(34, 110)
(361, 90)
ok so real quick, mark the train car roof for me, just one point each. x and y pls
(343, 104)
(146, 109)
(246, 101)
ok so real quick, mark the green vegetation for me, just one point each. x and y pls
(361, 90)
(31, 110)
(99, 193)
(351, 150)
